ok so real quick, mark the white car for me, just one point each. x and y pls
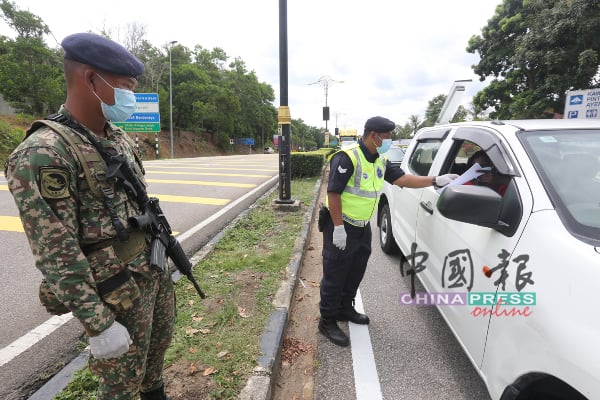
(515, 275)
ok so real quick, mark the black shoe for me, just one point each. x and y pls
(350, 314)
(330, 328)
(156, 394)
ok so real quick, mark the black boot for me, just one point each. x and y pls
(348, 313)
(156, 394)
(330, 328)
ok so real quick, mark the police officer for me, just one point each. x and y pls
(356, 177)
(94, 265)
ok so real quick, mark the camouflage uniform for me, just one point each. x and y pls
(74, 244)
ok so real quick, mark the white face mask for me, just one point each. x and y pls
(124, 106)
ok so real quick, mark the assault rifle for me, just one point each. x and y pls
(152, 219)
(164, 243)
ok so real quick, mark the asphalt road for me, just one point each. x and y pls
(199, 196)
(406, 352)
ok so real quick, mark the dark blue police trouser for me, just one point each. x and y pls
(343, 270)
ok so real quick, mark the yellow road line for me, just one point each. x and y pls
(167, 198)
(207, 174)
(245, 167)
(3, 187)
(12, 224)
(202, 183)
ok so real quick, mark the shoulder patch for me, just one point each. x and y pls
(54, 183)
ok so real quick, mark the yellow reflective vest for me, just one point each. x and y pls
(361, 195)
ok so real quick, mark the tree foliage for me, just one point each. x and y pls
(30, 72)
(537, 50)
(210, 91)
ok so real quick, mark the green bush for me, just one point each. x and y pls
(308, 164)
(10, 137)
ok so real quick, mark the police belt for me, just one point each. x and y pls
(355, 222)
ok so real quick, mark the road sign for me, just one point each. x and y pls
(139, 126)
(583, 104)
(146, 117)
(246, 141)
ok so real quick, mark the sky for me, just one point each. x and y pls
(381, 57)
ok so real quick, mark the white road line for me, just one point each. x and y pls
(366, 379)
(32, 337)
(35, 335)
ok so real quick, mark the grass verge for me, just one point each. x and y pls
(216, 341)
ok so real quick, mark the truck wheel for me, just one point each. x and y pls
(386, 236)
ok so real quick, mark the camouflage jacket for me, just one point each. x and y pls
(61, 217)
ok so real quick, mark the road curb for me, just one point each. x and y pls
(258, 386)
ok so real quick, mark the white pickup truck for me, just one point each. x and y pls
(516, 275)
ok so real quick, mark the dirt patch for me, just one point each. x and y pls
(185, 144)
(298, 362)
(187, 381)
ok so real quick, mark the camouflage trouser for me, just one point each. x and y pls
(150, 324)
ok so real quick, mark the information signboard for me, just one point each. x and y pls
(146, 117)
(582, 104)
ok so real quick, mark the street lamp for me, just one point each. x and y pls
(325, 82)
(171, 95)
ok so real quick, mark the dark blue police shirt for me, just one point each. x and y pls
(341, 169)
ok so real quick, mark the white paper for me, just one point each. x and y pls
(467, 176)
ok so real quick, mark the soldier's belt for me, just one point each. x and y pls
(127, 252)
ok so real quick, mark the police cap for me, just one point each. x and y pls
(379, 124)
(102, 53)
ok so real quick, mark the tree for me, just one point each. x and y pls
(536, 51)
(30, 72)
(434, 108)
(415, 123)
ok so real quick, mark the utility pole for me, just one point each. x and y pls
(325, 82)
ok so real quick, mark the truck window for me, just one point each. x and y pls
(422, 157)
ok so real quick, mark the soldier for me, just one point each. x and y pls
(94, 264)
(356, 178)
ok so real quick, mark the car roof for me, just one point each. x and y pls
(531, 124)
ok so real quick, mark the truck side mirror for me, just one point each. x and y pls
(477, 205)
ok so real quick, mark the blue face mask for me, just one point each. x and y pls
(124, 106)
(385, 146)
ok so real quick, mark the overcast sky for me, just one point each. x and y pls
(393, 56)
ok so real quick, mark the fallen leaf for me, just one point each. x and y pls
(204, 331)
(197, 319)
(192, 368)
(191, 302)
(191, 331)
(192, 350)
(209, 371)
(222, 354)
(242, 312)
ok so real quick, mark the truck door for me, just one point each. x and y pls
(457, 253)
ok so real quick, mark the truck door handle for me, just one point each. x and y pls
(427, 206)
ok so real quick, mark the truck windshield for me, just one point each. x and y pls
(568, 163)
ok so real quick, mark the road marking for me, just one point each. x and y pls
(11, 224)
(203, 183)
(205, 174)
(366, 379)
(217, 168)
(32, 337)
(3, 187)
(188, 199)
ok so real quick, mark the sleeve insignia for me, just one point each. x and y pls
(54, 183)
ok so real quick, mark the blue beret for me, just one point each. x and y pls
(102, 53)
(379, 124)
